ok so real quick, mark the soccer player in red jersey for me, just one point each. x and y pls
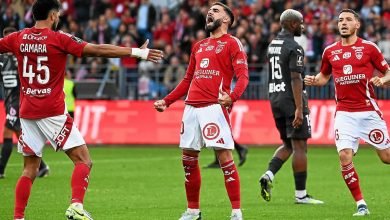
(352, 61)
(41, 53)
(205, 122)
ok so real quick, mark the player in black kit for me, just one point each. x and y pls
(10, 79)
(289, 106)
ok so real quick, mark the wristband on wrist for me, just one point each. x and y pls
(140, 53)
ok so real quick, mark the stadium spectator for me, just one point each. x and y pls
(289, 106)
(9, 19)
(353, 61)
(384, 45)
(173, 74)
(43, 51)
(10, 81)
(103, 33)
(207, 82)
(146, 18)
(163, 32)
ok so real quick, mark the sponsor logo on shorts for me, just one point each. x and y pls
(376, 136)
(62, 136)
(211, 131)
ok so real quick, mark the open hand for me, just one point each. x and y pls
(153, 54)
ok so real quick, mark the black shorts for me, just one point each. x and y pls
(284, 116)
(286, 130)
(12, 120)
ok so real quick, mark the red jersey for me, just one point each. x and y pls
(352, 68)
(213, 63)
(41, 54)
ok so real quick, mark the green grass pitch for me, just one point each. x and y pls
(147, 183)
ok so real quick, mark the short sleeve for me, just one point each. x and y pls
(7, 43)
(296, 58)
(378, 60)
(71, 44)
(326, 67)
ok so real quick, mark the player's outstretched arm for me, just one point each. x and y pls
(381, 81)
(108, 50)
(318, 80)
(160, 105)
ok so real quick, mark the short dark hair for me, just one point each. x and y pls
(355, 14)
(228, 11)
(41, 8)
(8, 30)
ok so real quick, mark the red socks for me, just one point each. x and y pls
(79, 182)
(22, 193)
(232, 183)
(192, 180)
(352, 180)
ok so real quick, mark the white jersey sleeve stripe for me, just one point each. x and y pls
(371, 43)
(239, 43)
(328, 47)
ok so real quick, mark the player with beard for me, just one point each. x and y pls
(289, 106)
(10, 80)
(41, 53)
(213, 63)
(353, 61)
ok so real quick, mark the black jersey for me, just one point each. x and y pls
(10, 79)
(284, 55)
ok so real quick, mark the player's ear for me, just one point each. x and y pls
(53, 15)
(358, 24)
(226, 20)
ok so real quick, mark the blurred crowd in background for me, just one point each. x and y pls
(175, 25)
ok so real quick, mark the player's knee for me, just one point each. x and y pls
(299, 146)
(89, 164)
(224, 155)
(384, 155)
(345, 157)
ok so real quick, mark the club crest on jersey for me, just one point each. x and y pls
(347, 69)
(346, 55)
(211, 131)
(204, 63)
(376, 136)
(220, 47)
(300, 60)
(359, 54)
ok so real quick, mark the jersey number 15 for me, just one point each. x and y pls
(276, 70)
(30, 74)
